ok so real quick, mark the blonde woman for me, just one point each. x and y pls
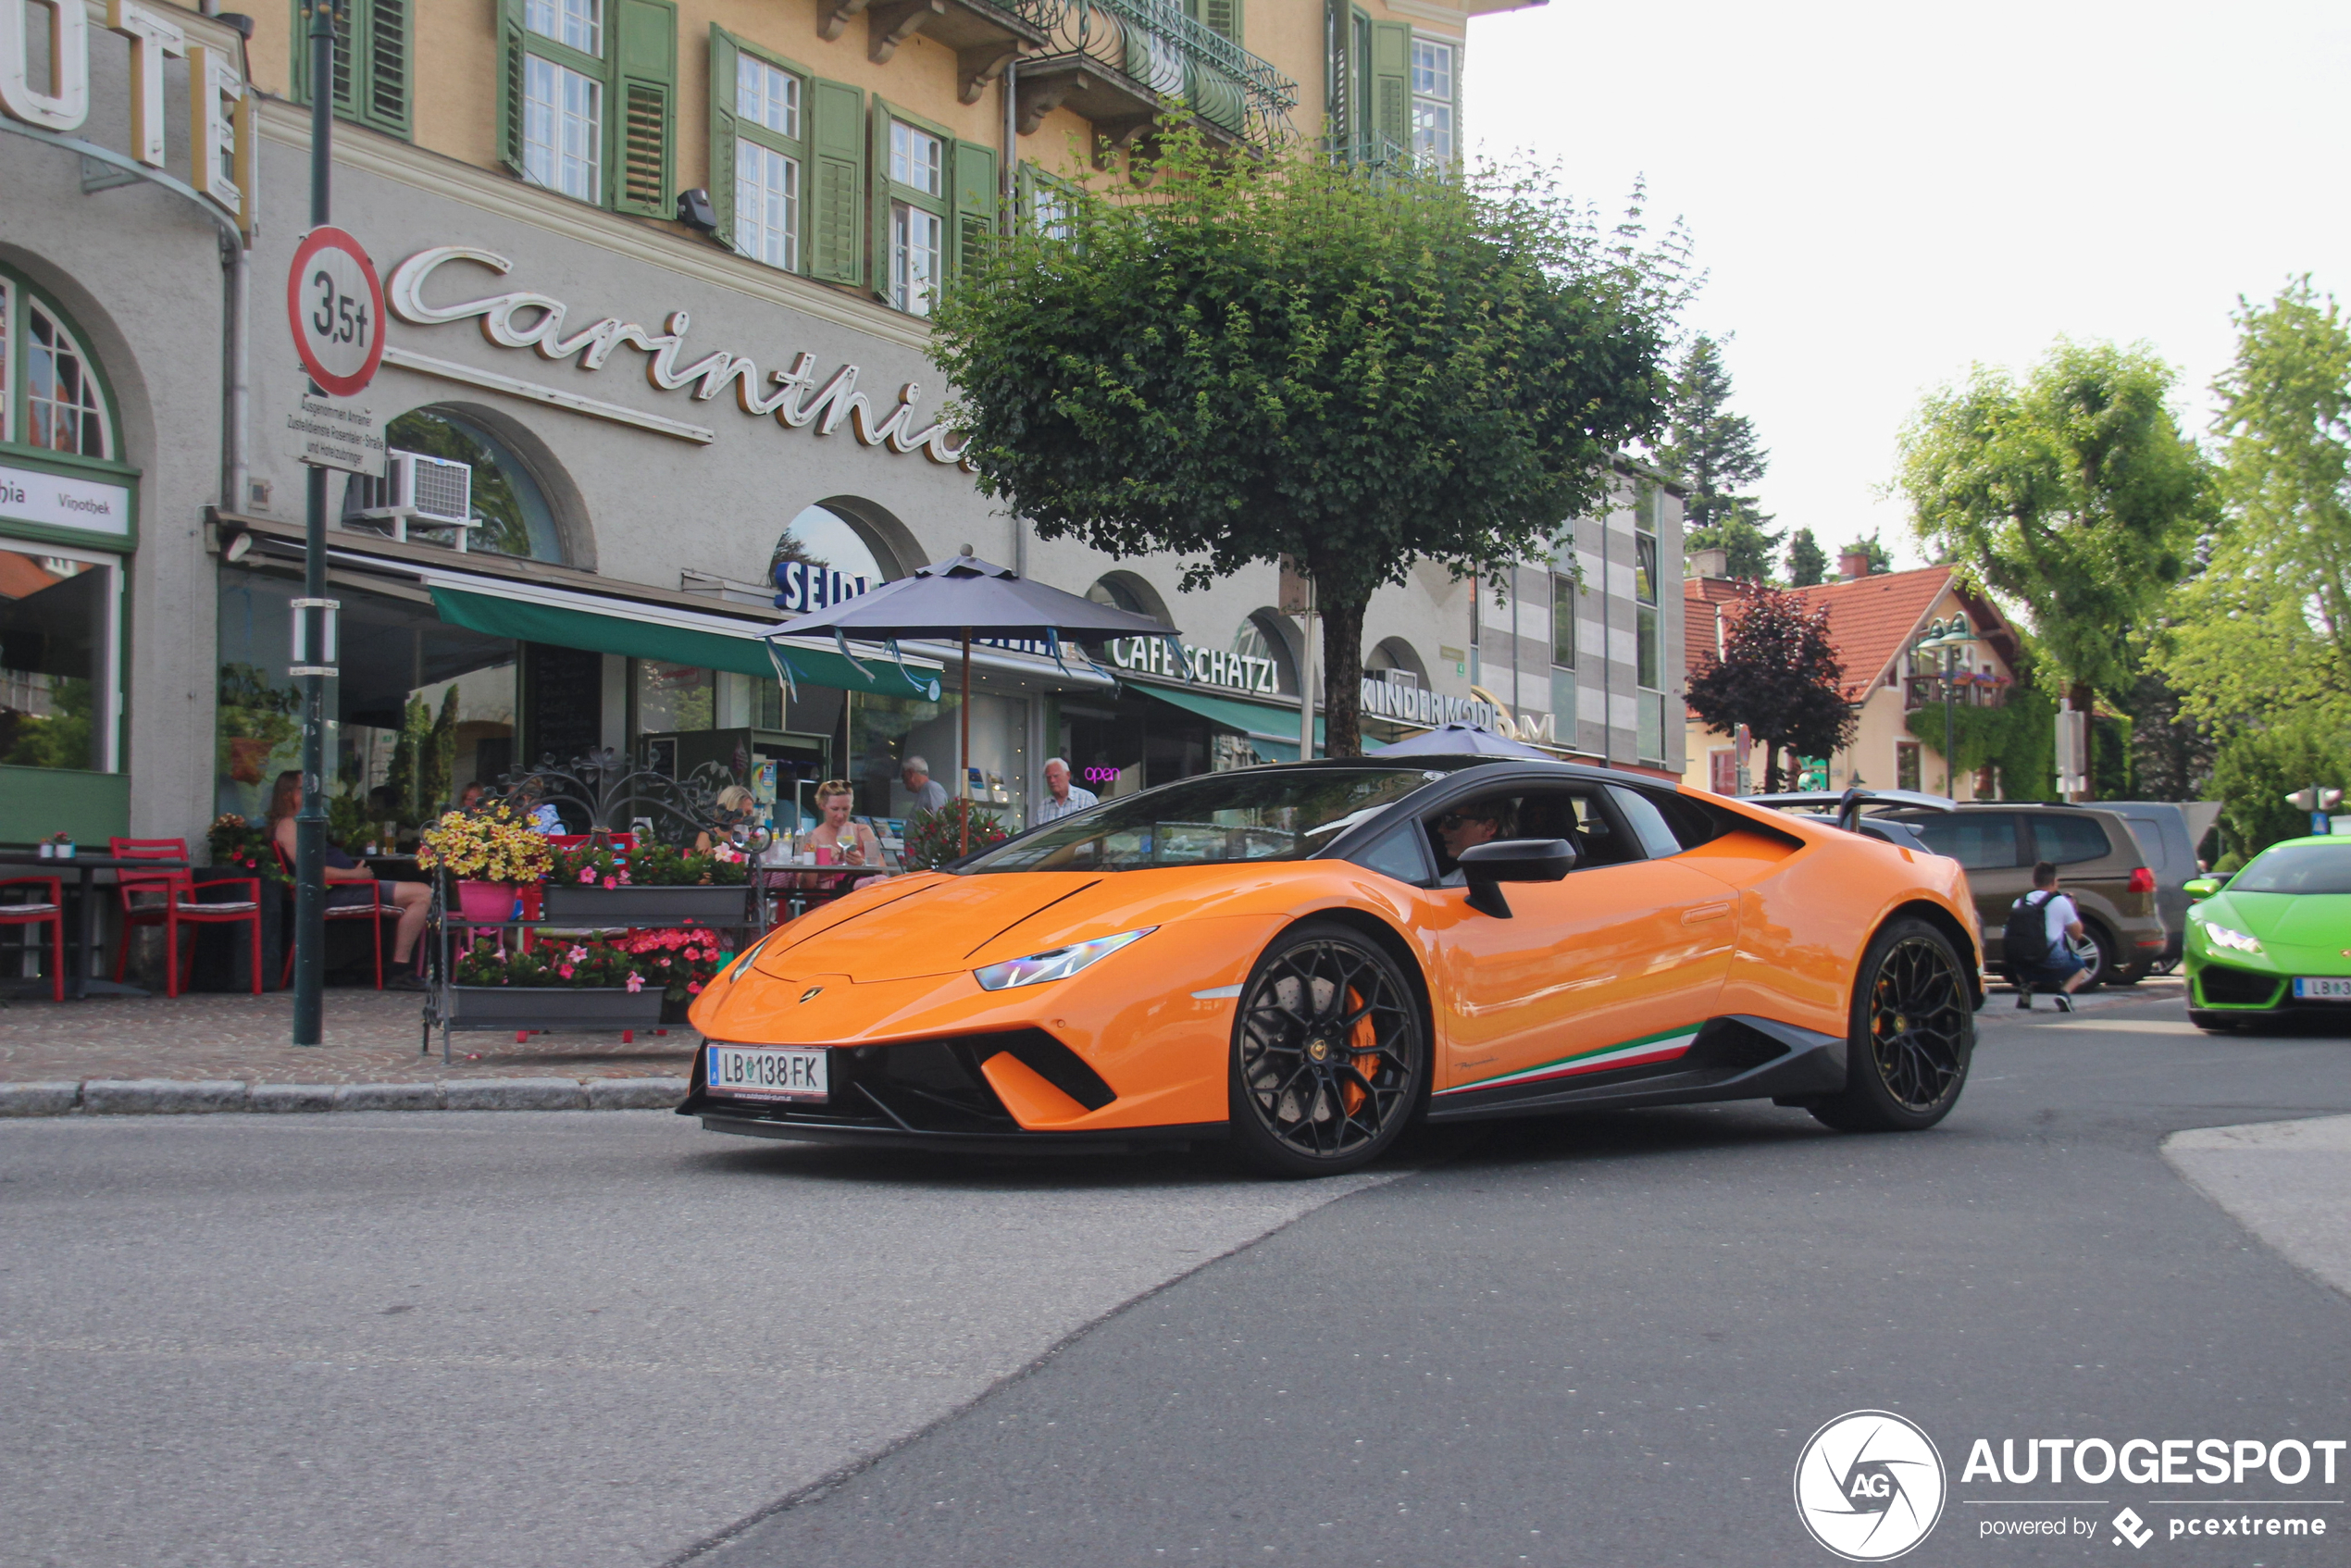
(737, 807)
(838, 840)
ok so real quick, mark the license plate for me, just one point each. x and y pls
(767, 1073)
(2322, 989)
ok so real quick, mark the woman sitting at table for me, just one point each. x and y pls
(347, 881)
(838, 840)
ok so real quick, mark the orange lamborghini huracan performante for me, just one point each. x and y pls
(1304, 959)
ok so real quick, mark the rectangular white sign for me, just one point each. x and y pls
(29, 496)
(338, 434)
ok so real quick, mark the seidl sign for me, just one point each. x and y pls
(57, 97)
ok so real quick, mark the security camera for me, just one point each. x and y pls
(696, 212)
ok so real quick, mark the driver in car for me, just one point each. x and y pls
(1479, 822)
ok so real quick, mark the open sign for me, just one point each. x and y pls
(1102, 774)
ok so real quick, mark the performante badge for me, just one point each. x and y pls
(1869, 1485)
(811, 993)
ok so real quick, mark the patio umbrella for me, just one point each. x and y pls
(1461, 739)
(964, 598)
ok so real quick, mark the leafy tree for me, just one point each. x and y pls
(1808, 564)
(2256, 770)
(2073, 493)
(1747, 547)
(1299, 356)
(1712, 448)
(2172, 750)
(1881, 559)
(1779, 674)
(2264, 630)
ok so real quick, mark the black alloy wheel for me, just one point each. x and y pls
(1330, 1061)
(1912, 1035)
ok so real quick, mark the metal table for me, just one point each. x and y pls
(81, 979)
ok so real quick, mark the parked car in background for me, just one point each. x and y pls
(2096, 854)
(1829, 806)
(2168, 832)
(2274, 940)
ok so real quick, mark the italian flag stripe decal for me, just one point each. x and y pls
(1631, 1053)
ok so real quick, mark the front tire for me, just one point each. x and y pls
(1330, 1060)
(1911, 1037)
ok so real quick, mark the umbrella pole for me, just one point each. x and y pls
(964, 752)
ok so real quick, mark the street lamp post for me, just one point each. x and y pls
(1946, 638)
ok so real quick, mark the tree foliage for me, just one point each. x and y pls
(2256, 770)
(1294, 356)
(2072, 492)
(1716, 453)
(1871, 549)
(1780, 676)
(2264, 630)
(1808, 564)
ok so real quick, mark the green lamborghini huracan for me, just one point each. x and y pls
(2275, 941)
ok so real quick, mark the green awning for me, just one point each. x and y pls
(1272, 729)
(565, 626)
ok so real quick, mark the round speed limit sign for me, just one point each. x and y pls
(336, 304)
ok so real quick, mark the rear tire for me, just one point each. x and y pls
(1330, 1060)
(1910, 1038)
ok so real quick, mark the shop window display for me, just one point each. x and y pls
(55, 613)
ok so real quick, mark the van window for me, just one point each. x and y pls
(2069, 841)
(1980, 840)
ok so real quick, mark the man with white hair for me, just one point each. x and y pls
(1062, 797)
(929, 793)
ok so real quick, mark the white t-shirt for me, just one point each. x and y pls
(2059, 913)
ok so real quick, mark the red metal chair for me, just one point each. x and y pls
(169, 899)
(375, 910)
(50, 913)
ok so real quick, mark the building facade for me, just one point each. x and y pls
(656, 277)
(1884, 626)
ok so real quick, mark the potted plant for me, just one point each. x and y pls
(552, 983)
(681, 960)
(654, 884)
(489, 853)
(934, 838)
(243, 846)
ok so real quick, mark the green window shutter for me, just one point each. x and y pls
(1391, 83)
(1220, 17)
(877, 210)
(976, 200)
(723, 56)
(643, 90)
(345, 64)
(385, 103)
(835, 241)
(510, 111)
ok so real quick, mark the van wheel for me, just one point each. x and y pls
(2100, 956)
(1911, 1035)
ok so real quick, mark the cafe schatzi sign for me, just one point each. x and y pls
(522, 319)
(221, 129)
(1208, 667)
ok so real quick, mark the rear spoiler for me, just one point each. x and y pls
(1850, 804)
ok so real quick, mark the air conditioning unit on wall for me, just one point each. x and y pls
(429, 492)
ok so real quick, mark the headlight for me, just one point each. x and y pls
(1058, 965)
(2231, 937)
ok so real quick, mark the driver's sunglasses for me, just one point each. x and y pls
(1453, 820)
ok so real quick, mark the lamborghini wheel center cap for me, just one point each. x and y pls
(1319, 1049)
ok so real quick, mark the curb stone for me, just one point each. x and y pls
(154, 1096)
(151, 1097)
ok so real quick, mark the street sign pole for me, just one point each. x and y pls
(310, 823)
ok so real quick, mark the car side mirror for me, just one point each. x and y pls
(2202, 888)
(1486, 867)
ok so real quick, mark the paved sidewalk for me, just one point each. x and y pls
(2287, 1182)
(372, 1036)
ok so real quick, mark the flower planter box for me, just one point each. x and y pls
(613, 908)
(549, 1007)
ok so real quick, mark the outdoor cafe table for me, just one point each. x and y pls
(81, 979)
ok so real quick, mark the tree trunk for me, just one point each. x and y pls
(2085, 702)
(1771, 750)
(1343, 674)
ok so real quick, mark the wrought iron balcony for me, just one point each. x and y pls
(1125, 64)
(1967, 690)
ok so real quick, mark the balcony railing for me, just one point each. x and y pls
(1966, 691)
(1148, 59)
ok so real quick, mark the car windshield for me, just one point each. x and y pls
(2297, 868)
(1250, 813)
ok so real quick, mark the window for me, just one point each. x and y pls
(786, 163)
(767, 97)
(503, 497)
(914, 237)
(1979, 841)
(56, 631)
(2068, 840)
(587, 91)
(935, 201)
(64, 410)
(563, 130)
(1906, 764)
(1562, 621)
(1723, 770)
(916, 159)
(1048, 205)
(373, 45)
(1222, 18)
(1433, 100)
(767, 205)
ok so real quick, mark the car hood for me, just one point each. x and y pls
(2309, 920)
(938, 925)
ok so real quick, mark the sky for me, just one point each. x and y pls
(1882, 195)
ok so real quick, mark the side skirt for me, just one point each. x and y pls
(1738, 1056)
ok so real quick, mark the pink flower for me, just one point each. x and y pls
(693, 953)
(564, 971)
(612, 881)
(587, 875)
(693, 987)
(577, 956)
(636, 982)
(663, 962)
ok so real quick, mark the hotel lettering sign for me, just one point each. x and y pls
(1208, 667)
(221, 129)
(522, 319)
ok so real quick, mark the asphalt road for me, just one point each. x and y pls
(610, 1338)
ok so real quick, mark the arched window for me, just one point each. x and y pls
(505, 499)
(1124, 590)
(1257, 639)
(51, 395)
(1396, 660)
(820, 536)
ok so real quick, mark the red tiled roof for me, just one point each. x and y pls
(1871, 620)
